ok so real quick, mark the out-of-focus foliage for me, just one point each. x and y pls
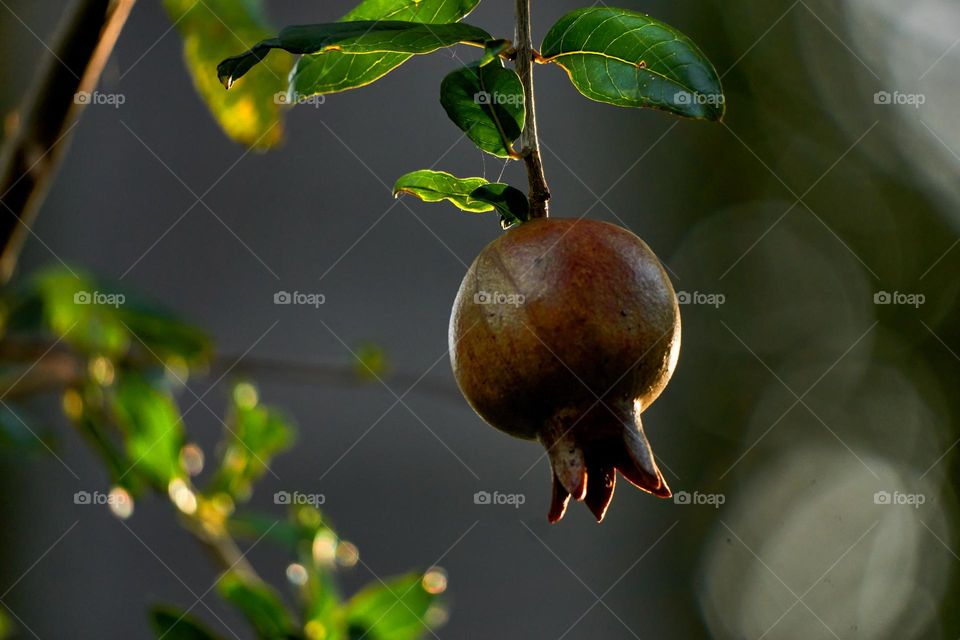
(151, 428)
(176, 625)
(118, 364)
(260, 604)
(394, 610)
(256, 434)
(6, 626)
(215, 29)
(101, 318)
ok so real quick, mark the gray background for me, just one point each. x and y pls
(799, 531)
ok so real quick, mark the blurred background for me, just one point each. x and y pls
(809, 432)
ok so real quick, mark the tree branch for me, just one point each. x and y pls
(39, 133)
(539, 194)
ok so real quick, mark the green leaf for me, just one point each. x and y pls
(335, 71)
(82, 312)
(394, 610)
(260, 604)
(476, 195)
(492, 49)
(486, 102)
(257, 434)
(211, 31)
(357, 37)
(152, 428)
(436, 186)
(171, 624)
(511, 203)
(253, 526)
(98, 317)
(163, 336)
(629, 59)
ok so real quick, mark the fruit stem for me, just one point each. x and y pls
(539, 194)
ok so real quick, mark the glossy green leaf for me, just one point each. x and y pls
(335, 71)
(511, 203)
(486, 102)
(171, 624)
(211, 31)
(476, 195)
(260, 604)
(393, 610)
(629, 59)
(493, 49)
(152, 428)
(436, 186)
(356, 37)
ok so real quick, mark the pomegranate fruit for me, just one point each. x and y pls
(564, 331)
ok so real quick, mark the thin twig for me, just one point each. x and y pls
(48, 368)
(539, 194)
(39, 133)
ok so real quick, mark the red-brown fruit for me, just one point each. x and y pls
(564, 331)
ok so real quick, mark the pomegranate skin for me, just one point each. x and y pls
(564, 331)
